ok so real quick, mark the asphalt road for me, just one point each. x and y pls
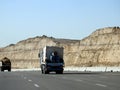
(34, 80)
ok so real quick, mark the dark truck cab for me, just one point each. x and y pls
(51, 60)
(6, 64)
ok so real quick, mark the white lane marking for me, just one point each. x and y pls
(64, 77)
(54, 75)
(101, 85)
(103, 77)
(25, 77)
(30, 80)
(79, 80)
(36, 85)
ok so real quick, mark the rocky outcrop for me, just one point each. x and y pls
(24, 54)
(102, 47)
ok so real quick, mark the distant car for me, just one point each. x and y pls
(6, 64)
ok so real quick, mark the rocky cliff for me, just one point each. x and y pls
(101, 48)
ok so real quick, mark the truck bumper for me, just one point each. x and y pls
(54, 69)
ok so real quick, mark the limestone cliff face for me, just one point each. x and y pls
(102, 47)
(24, 54)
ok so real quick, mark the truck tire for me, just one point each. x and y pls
(2, 70)
(43, 70)
(59, 72)
(9, 69)
(46, 72)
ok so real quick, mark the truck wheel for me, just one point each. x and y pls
(2, 70)
(9, 69)
(42, 71)
(46, 72)
(59, 72)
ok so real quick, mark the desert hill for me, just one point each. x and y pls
(101, 48)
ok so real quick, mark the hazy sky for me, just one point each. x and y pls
(71, 19)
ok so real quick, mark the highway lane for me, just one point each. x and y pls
(34, 80)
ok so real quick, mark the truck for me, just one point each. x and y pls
(51, 60)
(5, 64)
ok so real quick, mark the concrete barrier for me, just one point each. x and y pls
(93, 69)
(82, 69)
(96, 69)
(75, 68)
(32, 69)
(113, 69)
